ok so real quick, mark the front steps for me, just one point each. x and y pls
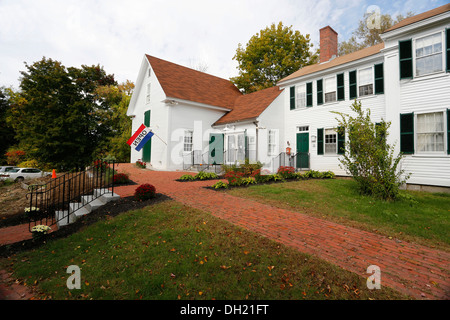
(88, 204)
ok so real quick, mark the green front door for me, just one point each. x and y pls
(216, 148)
(303, 150)
(147, 149)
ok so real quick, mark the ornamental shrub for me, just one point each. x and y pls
(286, 172)
(220, 185)
(14, 156)
(121, 178)
(234, 178)
(368, 157)
(187, 177)
(205, 175)
(144, 192)
(141, 164)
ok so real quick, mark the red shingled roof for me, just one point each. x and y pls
(192, 85)
(250, 106)
(420, 17)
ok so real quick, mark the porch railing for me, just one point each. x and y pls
(299, 160)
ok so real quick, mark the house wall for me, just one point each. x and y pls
(158, 120)
(430, 93)
(194, 118)
(321, 116)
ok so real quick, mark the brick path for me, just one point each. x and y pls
(413, 269)
(407, 267)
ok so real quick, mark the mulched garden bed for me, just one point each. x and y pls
(110, 209)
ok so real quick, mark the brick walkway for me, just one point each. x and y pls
(407, 267)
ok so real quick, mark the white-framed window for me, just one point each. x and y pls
(147, 97)
(330, 89)
(428, 54)
(188, 140)
(303, 129)
(330, 141)
(365, 81)
(272, 143)
(300, 96)
(149, 72)
(430, 132)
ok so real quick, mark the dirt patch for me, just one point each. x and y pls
(13, 198)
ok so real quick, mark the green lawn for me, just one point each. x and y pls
(170, 251)
(419, 216)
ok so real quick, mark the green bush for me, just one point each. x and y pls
(205, 176)
(187, 177)
(248, 181)
(220, 185)
(368, 158)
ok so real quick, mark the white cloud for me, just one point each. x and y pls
(116, 34)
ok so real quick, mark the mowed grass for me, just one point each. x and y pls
(170, 251)
(418, 216)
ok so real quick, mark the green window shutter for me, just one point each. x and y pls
(340, 87)
(379, 78)
(309, 94)
(448, 131)
(292, 98)
(352, 84)
(406, 59)
(447, 45)
(407, 133)
(320, 141)
(320, 91)
(341, 140)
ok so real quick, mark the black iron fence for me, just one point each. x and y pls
(58, 200)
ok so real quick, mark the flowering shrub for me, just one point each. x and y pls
(121, 178)
(100, 165)
(40, 231)
(286, 172)
(141, 164)
(144, 192)
(14, 156)
(234, 178)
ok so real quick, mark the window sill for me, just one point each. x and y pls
(436, 75)
(429, 155)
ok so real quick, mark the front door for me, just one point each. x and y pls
(147, 149)
(303, 150)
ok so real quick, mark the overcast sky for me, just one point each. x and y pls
(116, 34)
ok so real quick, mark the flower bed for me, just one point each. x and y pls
(236, 179)
(199, 176)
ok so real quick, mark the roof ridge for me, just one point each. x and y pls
(188, 68)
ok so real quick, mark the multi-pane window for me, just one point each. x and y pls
(271, 142)
(147, 98)
(330, 141)
(429, 54)
(430, 132)
(330, 89)
(365, 81)
(300, 98)
(188, 141)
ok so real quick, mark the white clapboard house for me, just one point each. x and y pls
(199, 118)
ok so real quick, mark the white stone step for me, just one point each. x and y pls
(61, 218)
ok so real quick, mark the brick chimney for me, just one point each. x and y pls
(328, 44)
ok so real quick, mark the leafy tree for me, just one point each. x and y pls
(58, 118)
(274, 53)
(118, 98)
(6, 131)
(368, 32)
(368, 157)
